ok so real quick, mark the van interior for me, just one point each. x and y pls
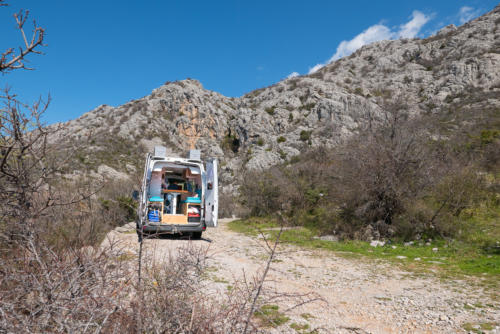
(175, 193)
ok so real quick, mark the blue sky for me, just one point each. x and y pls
(111, 52)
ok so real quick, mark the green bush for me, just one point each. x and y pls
(231, 143)
(270, 316)
(270, 110)
(305, 135)
(309, 106)
(281, 139)
(282, 154)
(488, 136)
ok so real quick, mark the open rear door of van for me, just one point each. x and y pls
(211, 194)
(144, 188)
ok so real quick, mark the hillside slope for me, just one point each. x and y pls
(455, 71)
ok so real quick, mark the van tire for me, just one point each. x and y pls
(196, 235)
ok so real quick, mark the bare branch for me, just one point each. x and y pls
(11, 60)
(263, 277)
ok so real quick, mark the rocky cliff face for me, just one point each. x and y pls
(455, 69)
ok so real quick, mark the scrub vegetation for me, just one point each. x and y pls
(401, 180)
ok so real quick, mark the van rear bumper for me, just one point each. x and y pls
(173, 228)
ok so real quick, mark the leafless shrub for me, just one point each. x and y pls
(387, 165)
(44, 288)
(170, 292)
(30, 169)
(75, 291)
(229, 205)
(261, 192)
(86, 222)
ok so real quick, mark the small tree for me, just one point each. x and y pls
(42, 288)
(386, 167)
(24, 168)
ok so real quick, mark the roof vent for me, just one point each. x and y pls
(160, 152)
(194, 155)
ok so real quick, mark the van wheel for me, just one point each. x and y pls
(196, 235)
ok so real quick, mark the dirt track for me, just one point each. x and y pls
(360, 296)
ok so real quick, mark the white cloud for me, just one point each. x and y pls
(315, 68)
(467, 13)
(378, 32)
(374, 33)
(293, 75)
(412, 27)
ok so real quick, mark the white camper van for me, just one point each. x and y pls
(178, 195)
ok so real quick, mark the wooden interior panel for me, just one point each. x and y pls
(174, 219)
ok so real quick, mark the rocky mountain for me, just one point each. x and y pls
(456, 69)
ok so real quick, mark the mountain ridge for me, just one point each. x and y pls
(457, 68)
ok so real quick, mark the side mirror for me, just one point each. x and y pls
(135, 195)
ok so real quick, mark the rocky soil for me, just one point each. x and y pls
(359, 296)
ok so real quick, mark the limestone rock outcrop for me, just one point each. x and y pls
(458, 66)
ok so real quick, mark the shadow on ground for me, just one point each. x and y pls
(176, 236)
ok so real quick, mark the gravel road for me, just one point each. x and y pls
(360, 295)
